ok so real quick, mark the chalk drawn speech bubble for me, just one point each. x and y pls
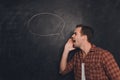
(46, 24)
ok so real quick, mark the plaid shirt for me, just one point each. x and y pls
(99, 65)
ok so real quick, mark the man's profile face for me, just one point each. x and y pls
(77, 37)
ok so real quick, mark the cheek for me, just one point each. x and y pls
(78, 40)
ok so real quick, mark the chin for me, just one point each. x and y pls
(74, 46)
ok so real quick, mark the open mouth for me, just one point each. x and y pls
(74, 41)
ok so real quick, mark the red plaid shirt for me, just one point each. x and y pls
(99, 65)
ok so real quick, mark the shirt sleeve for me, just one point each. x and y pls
(111, 67)
(70, 65)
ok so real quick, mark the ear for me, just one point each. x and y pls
(84, 37)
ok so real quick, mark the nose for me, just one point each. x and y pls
(72, 36)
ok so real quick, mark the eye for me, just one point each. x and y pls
(75, 33)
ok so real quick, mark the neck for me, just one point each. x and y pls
(86, 47)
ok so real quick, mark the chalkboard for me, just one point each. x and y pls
(33, 34)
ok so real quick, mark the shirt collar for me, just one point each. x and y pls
(92, 48)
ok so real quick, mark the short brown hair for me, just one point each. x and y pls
(86, 30)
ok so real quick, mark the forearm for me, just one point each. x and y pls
(68, 47)
(63, 62)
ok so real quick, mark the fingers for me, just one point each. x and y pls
(69, 45)
(70, 40)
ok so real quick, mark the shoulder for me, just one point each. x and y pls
(103, 52)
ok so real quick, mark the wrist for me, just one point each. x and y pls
(66, 51)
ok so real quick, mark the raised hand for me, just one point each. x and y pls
(69, 45)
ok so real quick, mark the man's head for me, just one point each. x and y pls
(81, 35)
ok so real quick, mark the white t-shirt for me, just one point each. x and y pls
(83, 71)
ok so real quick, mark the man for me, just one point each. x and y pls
(90, 62)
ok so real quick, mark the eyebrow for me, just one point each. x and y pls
(74, 32)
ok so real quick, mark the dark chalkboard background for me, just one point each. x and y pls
(33, 33)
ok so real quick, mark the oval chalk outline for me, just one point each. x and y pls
(47, 34)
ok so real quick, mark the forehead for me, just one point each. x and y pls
(78, 29)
